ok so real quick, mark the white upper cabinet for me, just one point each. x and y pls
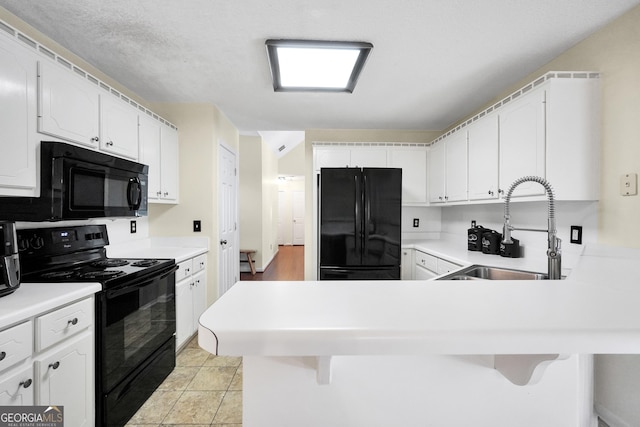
(549, 128)
(456, 167)
(483, 158)
(18, 140)
(339, 157)
(413, 162)
(369, 158)
(149, 138)
(118, 127)
(522, 142)
(159, 150)
(68, 106)
(447, 170)
(436, 173)
(169, 163)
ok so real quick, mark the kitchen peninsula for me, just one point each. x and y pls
(417, 353)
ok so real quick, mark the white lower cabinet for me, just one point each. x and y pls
(191, 297)
(60, 370)
(65, 378)
(428, 266)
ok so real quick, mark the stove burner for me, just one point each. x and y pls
(110, 263)
(103, 274)
(145, 263)
(57, 275)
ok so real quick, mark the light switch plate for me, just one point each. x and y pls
(629, 184)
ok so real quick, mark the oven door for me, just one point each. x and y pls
(134, 320)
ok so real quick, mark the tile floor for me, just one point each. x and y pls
(203, 390)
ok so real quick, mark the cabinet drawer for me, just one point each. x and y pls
(185, 269)
(446, 266)
(427, 261)
(54, 327)
(16, 344)
(199, 263)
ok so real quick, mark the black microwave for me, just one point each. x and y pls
(77, 183)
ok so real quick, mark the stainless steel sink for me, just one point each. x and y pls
(483, 272)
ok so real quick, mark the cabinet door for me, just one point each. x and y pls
(407, 264)
(17, 387)
(66, 377)
(522, 142)
(414, 172)
(149, 140)
(18, 77)
(169, 163)
(456, 167)
(68, 105)
(368, 158)
(435, 172)
(483, 158)
(331, 158)
(118, 127)
(199, 294)
(184, 311)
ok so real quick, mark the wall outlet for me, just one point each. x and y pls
(197, 226)
(133, 227)
(576, 234)
(629, 184)
(416, 222)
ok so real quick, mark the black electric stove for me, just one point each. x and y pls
(135, 314)
(78, 254)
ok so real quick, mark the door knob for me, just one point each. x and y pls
(223, 242)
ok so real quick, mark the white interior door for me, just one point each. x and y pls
(228, 253)
(298, 217)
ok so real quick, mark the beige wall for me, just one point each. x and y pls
(201, 128)
(292, 163)
(258, 193)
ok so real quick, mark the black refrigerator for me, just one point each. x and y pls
(360, 216)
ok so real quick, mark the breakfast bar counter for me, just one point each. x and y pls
(424, 352)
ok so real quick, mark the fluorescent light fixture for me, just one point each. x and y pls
(311, 65)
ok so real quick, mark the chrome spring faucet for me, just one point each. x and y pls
(554, 255)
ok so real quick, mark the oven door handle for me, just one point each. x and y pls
(127, 288)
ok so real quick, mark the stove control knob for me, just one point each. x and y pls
(23, 244)
(36, 242)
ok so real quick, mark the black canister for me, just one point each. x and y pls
(510, 250)
(491, 242)
(474, 237)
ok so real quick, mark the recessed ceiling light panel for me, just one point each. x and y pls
(311, 65)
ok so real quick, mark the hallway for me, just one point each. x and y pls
(287, 265)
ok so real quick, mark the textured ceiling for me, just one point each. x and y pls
(433, 61)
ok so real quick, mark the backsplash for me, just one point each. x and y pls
(457, 219)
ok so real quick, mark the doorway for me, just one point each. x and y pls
(291, 211)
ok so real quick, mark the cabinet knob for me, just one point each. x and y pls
(439, 197)
(26, 383)
(95, 139)
(446, 197)
(158, 193)
(500, 191)
(54, 365)
(491, 192)
(166, 193)
(73, 321)
(3, 354)
(110, 143)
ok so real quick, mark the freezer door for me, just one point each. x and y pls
(340, 217)
(382, 216)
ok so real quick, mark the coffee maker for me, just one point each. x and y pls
(9, 259)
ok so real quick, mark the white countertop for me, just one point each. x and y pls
(594, 311)
(177, 248)
(31, 299)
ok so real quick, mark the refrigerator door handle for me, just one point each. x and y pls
(367, 216)
(358, 220)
